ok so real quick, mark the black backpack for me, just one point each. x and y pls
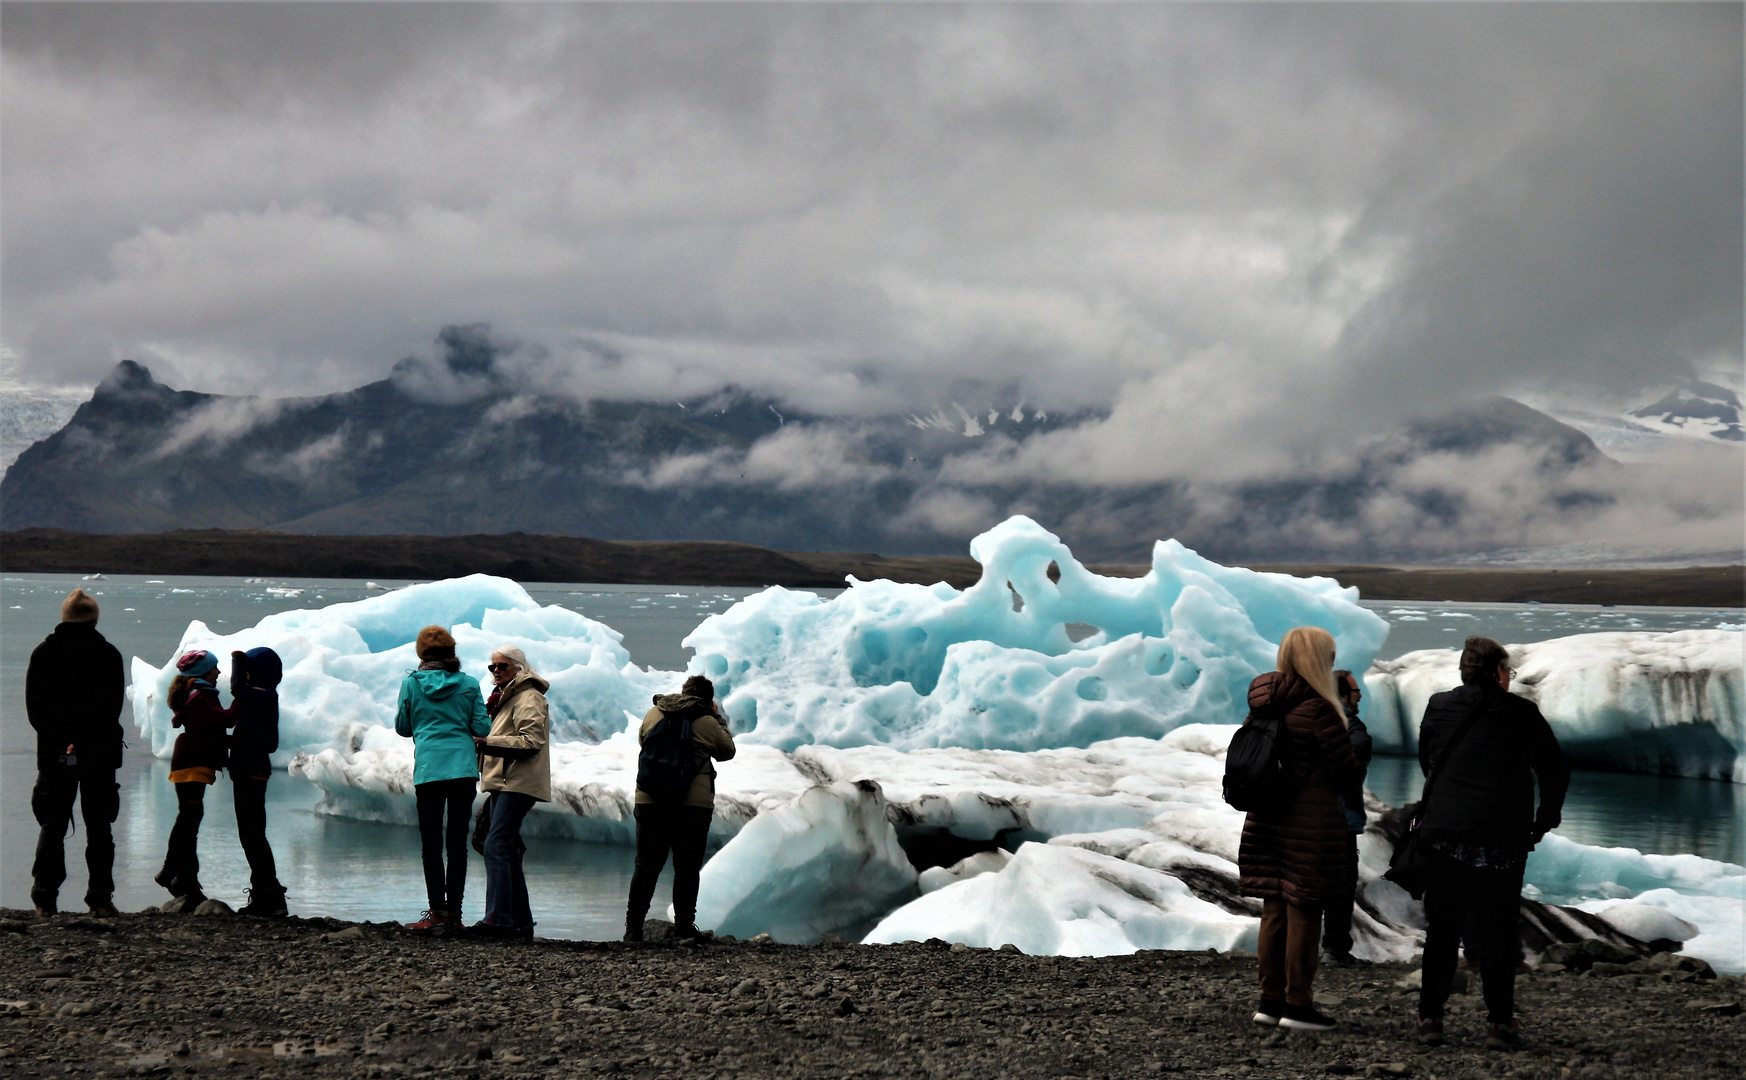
(668, 763)
(1256, 777)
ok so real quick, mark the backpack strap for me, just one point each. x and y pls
(1442, 760)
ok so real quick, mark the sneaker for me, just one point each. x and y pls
(1268, 1013)
(1305, 1018)
(431, 922)
(1505, 1037)
(267, 905)
(1430, 1030)
(104, 909)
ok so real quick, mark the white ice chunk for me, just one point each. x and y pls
(1640, 701)
(993, 666)
(827, 861)
(1066, 901)
(1647, 922)
(935, 878)
(344, 664)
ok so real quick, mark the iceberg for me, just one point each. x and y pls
(1068, 901)
(827, 861)
(344, 664)
(1634, 701)
(995, 666)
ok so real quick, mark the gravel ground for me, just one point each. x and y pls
(157, 994)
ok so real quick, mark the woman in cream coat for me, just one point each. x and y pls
(516, 772)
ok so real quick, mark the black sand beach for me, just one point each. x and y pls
(155, 994)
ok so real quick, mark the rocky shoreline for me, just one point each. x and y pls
(163, 994)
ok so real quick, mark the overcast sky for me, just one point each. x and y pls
(1208, 220)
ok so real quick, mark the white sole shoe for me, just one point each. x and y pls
(1306, 1025)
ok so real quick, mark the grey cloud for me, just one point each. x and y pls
(1230, 233)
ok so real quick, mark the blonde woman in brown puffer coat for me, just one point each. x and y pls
(1295, 858)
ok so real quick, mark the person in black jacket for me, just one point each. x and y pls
(73, 691)
(254, 695)
(1337, 919)
(1480, 823)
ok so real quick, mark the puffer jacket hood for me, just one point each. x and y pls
(1278, 691)
(266, 670)
(437, 684)
(674, 703)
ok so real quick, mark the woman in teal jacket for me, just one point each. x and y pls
(442, 712)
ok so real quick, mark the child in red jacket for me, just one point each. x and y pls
(200, 751)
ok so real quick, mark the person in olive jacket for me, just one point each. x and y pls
(73, 694)
(1295, 857)
(200, 751)
(442, 712)
(516, 772)
(1480, 823)
(680, 827)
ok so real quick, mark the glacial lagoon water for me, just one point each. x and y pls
(362, 870)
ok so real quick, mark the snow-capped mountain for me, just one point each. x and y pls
(1642, 424)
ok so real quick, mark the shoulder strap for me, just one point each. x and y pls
(1443, 759)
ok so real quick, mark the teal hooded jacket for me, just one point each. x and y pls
(442, 712)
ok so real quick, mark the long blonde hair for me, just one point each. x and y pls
(1308, 653)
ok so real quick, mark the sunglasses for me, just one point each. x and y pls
(499, 667)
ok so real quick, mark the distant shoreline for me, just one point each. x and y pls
(523, 557)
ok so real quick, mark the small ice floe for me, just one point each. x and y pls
(1405, 611)
(255, 581)
(371, 586)
(288, 594)
(93, 577)
(182, 590)
(154, 581)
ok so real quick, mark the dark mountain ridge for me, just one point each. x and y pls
(455, 446)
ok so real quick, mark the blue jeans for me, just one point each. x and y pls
(506, 901)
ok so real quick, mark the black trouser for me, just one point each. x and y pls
(1337, 916)
(182, 861)
(455, 797)
(51, 800)
(1495, 898)
(251, 830)
(681, 830)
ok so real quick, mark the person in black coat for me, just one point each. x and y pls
(1337, 921)
(254, 695)
(1480, 823)
(73, 693)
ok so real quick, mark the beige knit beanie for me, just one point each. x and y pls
(79, 607)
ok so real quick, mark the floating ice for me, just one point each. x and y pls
(993, 666)
(344, 664)
(1067, 901)
(1641, 701)
(935, 878)
(827, 861)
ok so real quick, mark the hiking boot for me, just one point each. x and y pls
(1342, 960)
(633, 931)
(267, 905)
(431, 921)
(1505, 1037)
(43, 903)
(104, 909)
(171, 882)
(1430, 1031)
(686, 931)
(1268, 1013)
(493, 932)
(1305, 1018)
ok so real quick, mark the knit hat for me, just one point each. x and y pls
(197, 663)
(79, 607)
(435, 643)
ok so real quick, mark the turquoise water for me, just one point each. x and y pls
(365, 870)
